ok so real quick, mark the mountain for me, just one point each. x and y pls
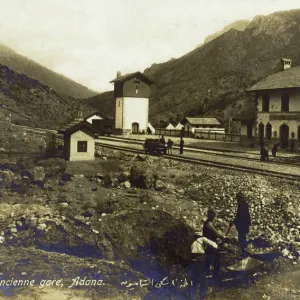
(32, 103)
(238, 25)
(217, 74)
(212, 79)
(30, 68)
(104, 103)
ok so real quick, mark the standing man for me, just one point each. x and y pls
(162, 140)
(212, 256)
(169, 146)
(262, 152)
(242, 221)
(266, 149)
(275, 149)
(181, 145)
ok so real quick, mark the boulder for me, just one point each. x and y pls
(124, 176)
(6, 178)
(142, 176)
(126, 184)
(160, 185)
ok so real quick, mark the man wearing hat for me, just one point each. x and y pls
(242, 221)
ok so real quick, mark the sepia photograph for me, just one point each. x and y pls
(150, 150)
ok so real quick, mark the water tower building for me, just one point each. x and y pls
(132, 93)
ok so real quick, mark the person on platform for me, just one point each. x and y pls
(212, 256)
(162, 140)
(169, 146)
(275, 149)
(262, 152)
(181, 145)
(266, 150)
(242, 221)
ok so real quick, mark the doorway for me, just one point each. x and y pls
(135, 127)
(261, 129)
(269, 131)
(284, 136)
(249, 131)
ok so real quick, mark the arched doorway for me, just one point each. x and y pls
(269, 131)
(135, 127)
(284, 136)
(261, 129)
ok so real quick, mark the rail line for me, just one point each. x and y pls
(232, 167)
(228, 166)
(211, 152)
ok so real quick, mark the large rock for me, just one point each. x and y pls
(6, 178)
(160, 185)
(142, 176)
(37, 175)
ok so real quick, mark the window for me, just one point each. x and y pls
(82, 146)
(285, 102)
(137, 82)
(265, 103)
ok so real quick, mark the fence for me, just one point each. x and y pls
(207, 135)
(220, 136)
(168, 132)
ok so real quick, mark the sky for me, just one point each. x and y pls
(90, 40)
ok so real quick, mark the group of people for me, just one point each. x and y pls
(264, 151)
(204, 250)
(170, 144)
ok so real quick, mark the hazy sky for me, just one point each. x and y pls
(90, 40)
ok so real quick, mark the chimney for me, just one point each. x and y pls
(119, 74)
(286, 63)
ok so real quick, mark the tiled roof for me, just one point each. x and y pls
(131, 75)
(76, 125)
(289, 78)
(202, 121)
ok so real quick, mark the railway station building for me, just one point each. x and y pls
(131, 93)
(278, 106)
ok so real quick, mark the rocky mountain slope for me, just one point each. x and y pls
(219, 72)
(30, 68)
(32, 103)
(239, 25)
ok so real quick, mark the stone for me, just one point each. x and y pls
(6, 178)
(42, 226)
(63, 204)
(2, 239)
(127, 184)
(124, 176)
(160, 185)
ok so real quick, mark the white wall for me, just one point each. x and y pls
(119, 113)
(95, 117)
(135, 110)
(82, 136)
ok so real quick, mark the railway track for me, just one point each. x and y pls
(227, 166)
(237, 155)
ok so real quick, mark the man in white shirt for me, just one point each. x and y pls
(197, 268)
